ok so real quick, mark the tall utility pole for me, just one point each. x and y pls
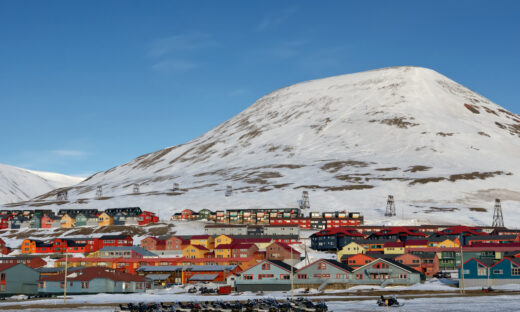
(498, 218)
(304, 203)
(292, 274)
(65, 282)
(99, 191)
(229, 191)
(461, 277)
(390, 206)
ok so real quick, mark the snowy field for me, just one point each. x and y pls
(455, 304)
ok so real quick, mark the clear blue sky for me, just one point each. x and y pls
(87, 85)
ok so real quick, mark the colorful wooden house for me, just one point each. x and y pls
(394, 248)
(194, 251)
(385, 272)
(223, 240)
(83, 219)
(443, 241)
(153, 243)
(46, 222)
(205, 214)
(269, 275)
(187, 214)
(203, 240)
(282, 252)
(223, 251)
(18, 279)
(104, 219)
(356, 261)
(36, 221)
(176, 243)
(67, 221)
(147, 217)
(415, 243)
(323, 273)
(94, 280)
(352, 248)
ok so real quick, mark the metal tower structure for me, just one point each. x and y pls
(175, 187)
(229, 190)
(390, 206)
(62, 195)
(99, 191)
(304, 203)
(498, 218)
(136, 188)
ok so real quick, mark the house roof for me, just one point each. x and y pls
(252, 240)
(281, 264)
(416, 242)
(203, 277)
(341, 231)
(122, 236)
(376, 255)
(393, 244)
(159, 268)
(199, 247)
(491, 237)
(200, 237)
(398, 230)
(5, 266)
(287, 247)
(440, 238)
(460, 229)
(90, 273)
(158, 277)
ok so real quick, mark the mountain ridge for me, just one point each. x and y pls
(350, 140)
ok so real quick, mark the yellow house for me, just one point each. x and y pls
(203, 240)
(67, 221)
(351, 248)
(393, 248)
(223, 239)
(223, 251)
(416, 243)
(104, 219)
(194, 251)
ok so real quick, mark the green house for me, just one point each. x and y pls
(17, 278)
(36, 221)
(204, 214)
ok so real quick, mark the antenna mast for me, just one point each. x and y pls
(390, 206)
(229, 190)
(136, 188)
(498, 218)
(304, 203)
(99, 191)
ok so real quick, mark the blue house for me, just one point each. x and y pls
(17, 278)
(272, 275)
(93, 280)
(485, 273)
(323, 273)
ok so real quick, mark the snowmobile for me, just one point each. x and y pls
(388, 302)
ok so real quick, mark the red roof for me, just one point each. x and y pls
(341, 231)
(397, 230)
(393, 244)
(286, 247)
(200, 247)
(459, 229)
(235, 246)
(200, 237)
(416, 242)
(88, 274)
(252, 240)
(5, 266)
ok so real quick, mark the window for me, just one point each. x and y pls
(266, 266)
(3, 287)
(41, 285)
(2, 277)
(403, 276)
(260, 276)
(358, 276)
(62, 284)
(247, 276)
(515, 271)
(498, 272)
(285, 276)
(301, 276)
(322, 266)
(481, 271)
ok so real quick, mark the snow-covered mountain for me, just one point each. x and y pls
(17, 184)
(444, 152)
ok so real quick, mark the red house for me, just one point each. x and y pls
(3, 248)
(356, 261)
(113, 241)
(46, 222)
(176, 243)
(187, 214)
(4, 222)
(153, 243)
(147, 217)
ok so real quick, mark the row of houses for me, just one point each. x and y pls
(337, 238)
(486, 273)
(324, 273)
(18, 278)
(68, 218)
(274, 216)
(74, 245)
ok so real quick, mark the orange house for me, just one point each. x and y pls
(105, 220)
(356, 261)
(203, 240)
(28, 246)
(223, 239)
(67, 221)
(194, 252)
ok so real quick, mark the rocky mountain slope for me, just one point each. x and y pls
(17, 184)
(444, 152)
